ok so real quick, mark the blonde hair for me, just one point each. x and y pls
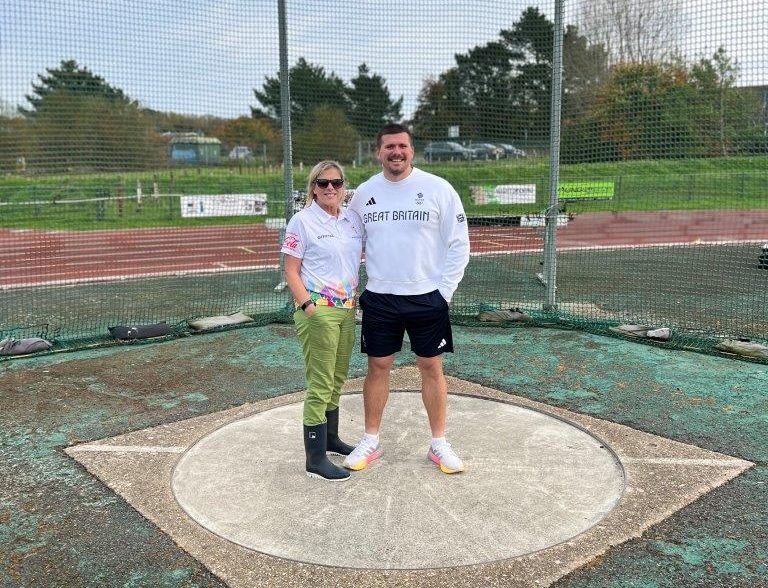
(315, 173)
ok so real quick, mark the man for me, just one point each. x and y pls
(417, 246)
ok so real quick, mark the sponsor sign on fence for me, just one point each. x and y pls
(585, 191)
(504, 194)
(540, 220)
(224, 205)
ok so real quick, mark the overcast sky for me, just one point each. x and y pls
(205, 56)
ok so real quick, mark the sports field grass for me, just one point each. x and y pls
(99, 201)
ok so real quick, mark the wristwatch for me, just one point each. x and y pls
(307, 303)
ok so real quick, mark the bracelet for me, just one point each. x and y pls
(307, 303)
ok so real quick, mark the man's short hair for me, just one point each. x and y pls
(392, 129)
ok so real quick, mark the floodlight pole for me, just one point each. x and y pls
(550, 236)
(285, 118)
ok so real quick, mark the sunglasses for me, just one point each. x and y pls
(323, 183)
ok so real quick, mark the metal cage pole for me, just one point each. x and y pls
(550, 236)
(285, 119)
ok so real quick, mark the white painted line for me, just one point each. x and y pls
(722, 463)
(87, 265)
(167, 274)
(496, 243)
(163, 231)
(577, 248)
(129, 251)
(47, 240)
(127, 449)
(654, 245)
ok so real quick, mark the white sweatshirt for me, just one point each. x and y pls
(416, 234)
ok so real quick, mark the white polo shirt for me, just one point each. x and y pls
(330, 250)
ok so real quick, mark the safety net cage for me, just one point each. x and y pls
(611, 157)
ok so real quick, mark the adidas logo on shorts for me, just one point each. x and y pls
(443, 343)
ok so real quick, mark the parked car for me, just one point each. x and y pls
(487, 151)
(241, 152)
(511, 150)
(446, 151)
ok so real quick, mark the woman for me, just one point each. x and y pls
(323, 247)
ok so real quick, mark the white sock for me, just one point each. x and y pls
(436, 441)
(374, 439)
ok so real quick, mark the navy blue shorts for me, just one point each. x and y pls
(386, 317)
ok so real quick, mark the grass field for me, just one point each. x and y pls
(102, 201)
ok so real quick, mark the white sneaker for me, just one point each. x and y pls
(445, 458)
(365, 452)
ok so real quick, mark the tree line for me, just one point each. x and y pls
(620, 101)
(77, 121)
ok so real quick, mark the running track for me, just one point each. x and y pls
(36, 257)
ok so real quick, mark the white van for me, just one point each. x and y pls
(241, 152)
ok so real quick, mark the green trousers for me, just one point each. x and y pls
(326, 338)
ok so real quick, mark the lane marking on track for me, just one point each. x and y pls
(136, 263)
(486, 243)
(176, 273)
(79, 250)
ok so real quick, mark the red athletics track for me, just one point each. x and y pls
(37, 257)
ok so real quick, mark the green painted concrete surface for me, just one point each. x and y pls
(60, 527)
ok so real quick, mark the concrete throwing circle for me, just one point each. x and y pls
(532, 481)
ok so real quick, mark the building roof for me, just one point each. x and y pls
(193, 138)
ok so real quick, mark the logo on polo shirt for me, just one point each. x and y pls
(291, 241)
(371, 202)
(419, 198)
